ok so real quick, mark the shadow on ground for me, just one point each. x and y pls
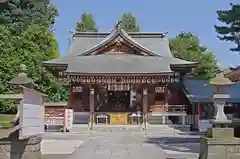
(184, 129)
(176, 144)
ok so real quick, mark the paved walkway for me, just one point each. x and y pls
(160, 144)
(118, 146)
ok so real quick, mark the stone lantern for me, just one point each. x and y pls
(21, 80)
(11, 146)
(220, 96)
(219, 141)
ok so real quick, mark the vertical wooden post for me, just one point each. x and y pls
(166, 96)
(91, 98)
(145, 107)
(194, 116)
(165, 105)
(70, 97)
(199, 111)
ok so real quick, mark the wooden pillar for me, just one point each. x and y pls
(91, 99)
(199, 111)
(70, 97)
(194, 116)
(166, 96)
(145, 107)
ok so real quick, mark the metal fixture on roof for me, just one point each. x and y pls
(237, 36)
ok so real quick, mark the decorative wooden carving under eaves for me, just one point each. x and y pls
(119, 45)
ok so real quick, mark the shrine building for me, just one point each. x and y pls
(125, 78)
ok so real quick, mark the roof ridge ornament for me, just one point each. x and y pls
(118, 25)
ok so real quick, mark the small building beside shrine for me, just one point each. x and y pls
(124, 78)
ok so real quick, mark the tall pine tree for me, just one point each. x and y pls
(231, 30)
(129, 22)
(87, 23)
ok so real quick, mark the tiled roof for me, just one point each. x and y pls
(155, 42)
(155, 45)
(197, 91)
(122, 63)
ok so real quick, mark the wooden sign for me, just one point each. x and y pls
(159, 89)
(118, 118)
(77, 88)
(31, 114)
(118, 87)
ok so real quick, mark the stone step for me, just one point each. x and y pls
(158, 120)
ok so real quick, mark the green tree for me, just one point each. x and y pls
(19, 14)
(230, 31)
(186, 46)
(27, 39)
(86, 24)
(129, 22)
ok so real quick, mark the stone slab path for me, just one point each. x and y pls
(118, 143)
(118, 146)
(121, 146)
(60, 147)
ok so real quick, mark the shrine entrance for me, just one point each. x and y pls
(119, 101)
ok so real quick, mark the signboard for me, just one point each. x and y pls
(118, 87)
(54, 121)
(31, 114)
(159, 89)
(77, 89)
(118, 118)
(69, 118)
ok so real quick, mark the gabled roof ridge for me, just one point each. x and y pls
(111, 36)
(135, 42)
(132, 34)
(118, 31)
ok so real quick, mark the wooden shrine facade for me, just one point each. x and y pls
(120, 79)
(121, 72)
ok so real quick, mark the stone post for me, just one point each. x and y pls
(145, 107)
(183, 120)
(91, 98)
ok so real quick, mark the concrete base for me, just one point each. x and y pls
(222, 132)
(219, 148)
(14, 148)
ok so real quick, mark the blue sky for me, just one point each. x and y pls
(172, 16)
